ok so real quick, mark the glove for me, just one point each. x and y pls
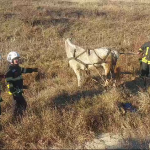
(18, 92)
(35, 69)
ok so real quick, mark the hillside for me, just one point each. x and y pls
(59, 114)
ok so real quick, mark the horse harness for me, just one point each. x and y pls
(88, 51)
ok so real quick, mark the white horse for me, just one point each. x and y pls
(81, 59)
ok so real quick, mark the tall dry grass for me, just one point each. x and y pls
(59, 114)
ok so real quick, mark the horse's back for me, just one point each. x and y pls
(99, 53)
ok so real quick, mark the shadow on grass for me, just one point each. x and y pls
(135, 86)
(1, 142)
(1, 145)
(48, 22)
(63, 99)
(126, 72)
(137, 144)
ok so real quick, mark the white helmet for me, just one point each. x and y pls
(11, 56)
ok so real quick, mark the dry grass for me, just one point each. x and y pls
(59, 114)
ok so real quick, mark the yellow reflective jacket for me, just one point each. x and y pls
(145, 49)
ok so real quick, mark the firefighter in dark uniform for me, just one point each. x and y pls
(0, 111)
(0, 103)
(1, 76)
(15, 82)
(145, 61)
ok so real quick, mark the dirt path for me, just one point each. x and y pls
(116, 141)
(84, 1)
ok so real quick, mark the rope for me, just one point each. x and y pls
(128, 53)
(78, 60)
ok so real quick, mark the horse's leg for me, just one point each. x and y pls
(88, 72)
(113, 66)
(107, 71)
(112, 72)
(78, 74)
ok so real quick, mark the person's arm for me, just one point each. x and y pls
(29, 70)
(141, 49)
(9, 80)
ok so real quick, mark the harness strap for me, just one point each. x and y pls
(86, 65)
(79, 54)
(104, 60)
(78, 60)
(107, 54)
(98, 56)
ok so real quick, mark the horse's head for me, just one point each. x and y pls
(69, 47)
(115, 54)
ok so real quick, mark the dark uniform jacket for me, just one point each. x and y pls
(14, 77)
(145, 48)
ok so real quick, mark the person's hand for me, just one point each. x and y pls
(140, 60)
(138, 52)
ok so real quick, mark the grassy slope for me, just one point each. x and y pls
(59, 114)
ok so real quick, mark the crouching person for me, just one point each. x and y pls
(15, 82)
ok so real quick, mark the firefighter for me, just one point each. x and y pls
(1, 76)
(0, 112)
(145, 61)
(0, 103)
(15, 82)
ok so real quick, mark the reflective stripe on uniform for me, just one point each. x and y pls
(144, 60)
(9, 85)
(147, 51)
(14, 79)
(140, 49)
(10, 93)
